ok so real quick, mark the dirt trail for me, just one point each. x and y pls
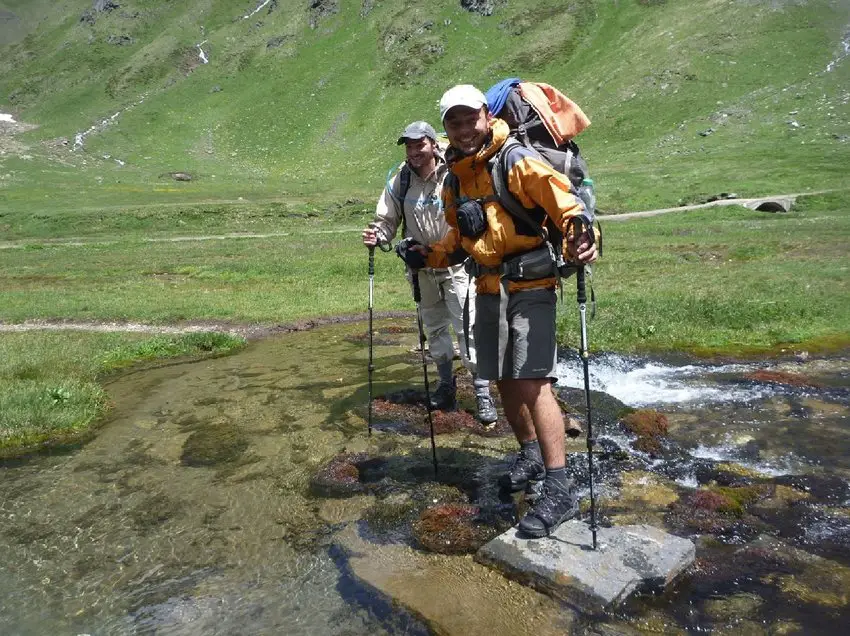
(81, 242)
(250, 331)
(752, 203)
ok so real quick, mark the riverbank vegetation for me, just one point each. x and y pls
(51, 381)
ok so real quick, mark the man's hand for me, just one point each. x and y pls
(582, 249)
(370, 237)
(412, 252)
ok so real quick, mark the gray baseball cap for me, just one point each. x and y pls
(418, 130)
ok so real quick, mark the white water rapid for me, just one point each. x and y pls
(640, 383)
(845, 51)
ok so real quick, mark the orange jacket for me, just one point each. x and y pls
(534, 184)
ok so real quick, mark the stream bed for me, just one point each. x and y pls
(243, 495)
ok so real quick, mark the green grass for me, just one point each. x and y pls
(725, 280)
(718, 278)
(51, 391)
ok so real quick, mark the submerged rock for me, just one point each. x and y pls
(214, 444)
(650, 427)
(825, 488)
(782, 378)
(726, 474)
(340, 477)
(452, 529)
(155, 510)
(720, 511)
(453, 596)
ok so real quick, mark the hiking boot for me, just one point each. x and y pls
(487, 414)
(558, 504)
(533, 491)
(524, 471)
(444, 398)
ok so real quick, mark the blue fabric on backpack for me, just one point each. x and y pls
(498, 93)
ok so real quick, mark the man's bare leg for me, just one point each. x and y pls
(528, 470)
(532, 411)
(531, 404)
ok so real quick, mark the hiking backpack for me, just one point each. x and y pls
(544, 120)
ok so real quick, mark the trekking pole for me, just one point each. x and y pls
(581, 296)
(371, 290)
(417, 298)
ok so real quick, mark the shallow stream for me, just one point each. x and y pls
(194, 509)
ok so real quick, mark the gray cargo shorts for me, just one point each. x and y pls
(530, 350)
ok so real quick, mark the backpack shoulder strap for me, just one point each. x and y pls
(403, 187)
(499, 176)
(403, 182)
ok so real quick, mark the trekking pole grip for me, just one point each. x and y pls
(417, 293)
(581, 290)
(577, 225)
(371, 260)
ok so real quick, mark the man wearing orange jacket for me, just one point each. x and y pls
(516, 281)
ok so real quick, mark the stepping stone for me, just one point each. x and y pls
(565, 565)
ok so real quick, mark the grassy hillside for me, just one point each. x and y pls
(306, 102)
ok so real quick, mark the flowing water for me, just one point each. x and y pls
(192, 512)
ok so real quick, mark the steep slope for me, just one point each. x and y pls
(305, 98)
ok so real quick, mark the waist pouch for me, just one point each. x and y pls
(533, 265)
(471, 221)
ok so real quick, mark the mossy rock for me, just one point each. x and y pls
(340, 477)
(731, 474)
(452, 529)
(607, 410)
(830, 489)
(388, 514)
(154, 511)
(643, 489)
(214, 444)
(731, 608)
(646, 423)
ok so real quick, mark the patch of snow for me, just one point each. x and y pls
(7, 118)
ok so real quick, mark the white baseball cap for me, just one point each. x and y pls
(461, 95)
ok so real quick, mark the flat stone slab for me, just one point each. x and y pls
(564, 565)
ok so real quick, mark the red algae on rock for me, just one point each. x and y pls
(453, 421)
(781, 377)
(712, 502)
(340, 477)
(646, 423)
(385, 410)
(451, 529)
(649, 426)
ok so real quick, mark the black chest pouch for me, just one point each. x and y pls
(471, 221)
